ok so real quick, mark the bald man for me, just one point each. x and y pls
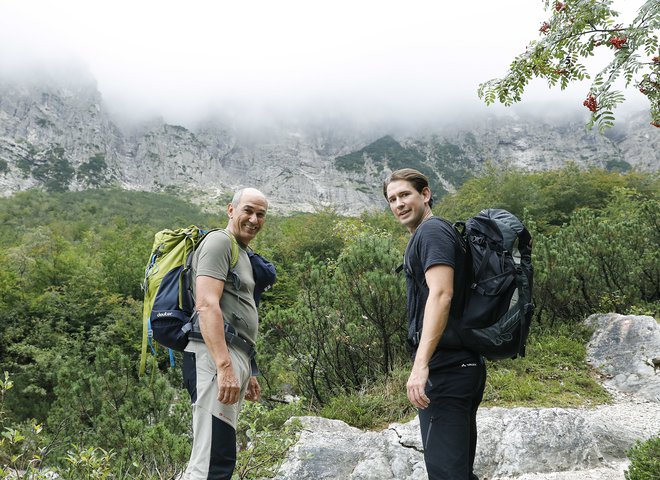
(218, 360)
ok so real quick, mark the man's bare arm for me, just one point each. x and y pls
(440, 281)
(208, 291)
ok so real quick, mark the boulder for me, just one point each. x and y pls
(623, 348)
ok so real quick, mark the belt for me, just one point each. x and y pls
(232, 338)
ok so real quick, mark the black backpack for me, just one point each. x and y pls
(497, 309)
(498, 300)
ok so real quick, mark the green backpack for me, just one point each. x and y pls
(167, 286)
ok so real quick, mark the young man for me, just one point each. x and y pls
(445, 384)
(217, 360)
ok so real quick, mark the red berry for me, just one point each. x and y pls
(618, 42)
(544, 27)
(656, 124)
(559, 6)
(591, 103)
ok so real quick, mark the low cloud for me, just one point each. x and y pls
(370, 60)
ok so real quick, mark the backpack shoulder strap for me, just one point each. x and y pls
(234, 244)
(234, 248)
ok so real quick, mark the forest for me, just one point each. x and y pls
(332, 330)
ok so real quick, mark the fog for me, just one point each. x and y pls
(368, 60)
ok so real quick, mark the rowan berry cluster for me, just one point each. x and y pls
(656, 124)
(655, 59)
(544, 27)
(618, 42)
(591, 103)
(559, 6)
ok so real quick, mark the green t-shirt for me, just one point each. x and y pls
(213, 259)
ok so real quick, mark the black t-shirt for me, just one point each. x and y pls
(435, 243)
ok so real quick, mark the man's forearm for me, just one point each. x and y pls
(212, 326)
(436, 315)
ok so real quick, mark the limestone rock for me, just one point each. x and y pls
(621, 348)
(512, 443)
(330, 449)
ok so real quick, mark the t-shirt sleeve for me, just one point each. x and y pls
(437, 245)
(214, 256)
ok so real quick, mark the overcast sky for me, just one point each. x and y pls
(182, 59)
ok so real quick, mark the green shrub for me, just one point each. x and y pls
(338, 343)
(644, 460)
(264, 436)
(88, 463)
(603, 261)
(21, 448)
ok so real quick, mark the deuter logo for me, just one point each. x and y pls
(164, 314)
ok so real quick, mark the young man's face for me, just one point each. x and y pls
(407, 204)
(247, 218)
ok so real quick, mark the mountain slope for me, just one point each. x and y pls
(60, 136)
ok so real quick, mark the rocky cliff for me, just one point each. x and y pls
(60, 135)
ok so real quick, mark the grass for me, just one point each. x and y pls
(376, 405)
(552, 374)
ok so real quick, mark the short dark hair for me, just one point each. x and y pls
(417, 179)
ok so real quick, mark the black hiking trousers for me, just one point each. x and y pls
(449, 423)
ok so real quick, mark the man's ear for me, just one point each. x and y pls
(426, 193)
(230, 210)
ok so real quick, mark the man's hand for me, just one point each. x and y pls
(253, 391)
(228, 388)
(416, 386)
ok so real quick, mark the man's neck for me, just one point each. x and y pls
(427, 214)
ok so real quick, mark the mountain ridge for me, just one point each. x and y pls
(61, 136)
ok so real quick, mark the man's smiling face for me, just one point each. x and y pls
(407, 204)
(247, 218)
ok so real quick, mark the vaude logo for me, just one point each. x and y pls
(164, 314)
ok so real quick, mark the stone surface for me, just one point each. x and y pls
(621, 348)
(330, 449)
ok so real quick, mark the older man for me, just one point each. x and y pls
(218, 360)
